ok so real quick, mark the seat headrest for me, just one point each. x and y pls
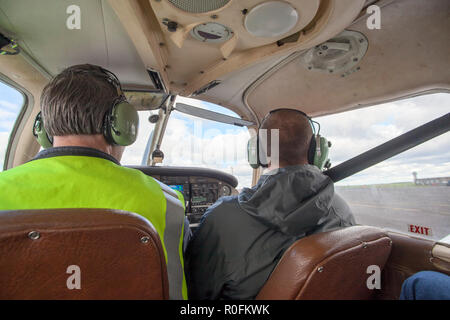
(329, 265)
(119, 255)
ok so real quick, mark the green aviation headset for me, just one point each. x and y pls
(120, 123)
(317, 152)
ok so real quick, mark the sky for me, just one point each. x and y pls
(11, 102)
(191, 141)
(354, 132)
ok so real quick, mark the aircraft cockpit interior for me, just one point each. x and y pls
(122, 120)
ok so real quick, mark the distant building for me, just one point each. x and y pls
(440, 181)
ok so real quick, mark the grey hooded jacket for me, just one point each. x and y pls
(241, 238)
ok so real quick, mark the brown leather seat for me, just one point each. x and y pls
(118, 253)
(329, 265)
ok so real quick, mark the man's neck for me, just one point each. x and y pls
(279, 166)
(96, 141)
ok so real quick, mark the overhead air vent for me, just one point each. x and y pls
(157, 80)
(199, 6)
(339, 55)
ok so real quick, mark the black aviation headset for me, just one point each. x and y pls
(120, 123)
(318, 149)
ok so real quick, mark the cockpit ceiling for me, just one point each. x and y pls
(408, 54)
(129, 36)
(203, 55)
(41, 31)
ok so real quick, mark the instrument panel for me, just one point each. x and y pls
(200, 187)
(199, 193)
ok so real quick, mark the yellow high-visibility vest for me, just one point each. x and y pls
(76, 181)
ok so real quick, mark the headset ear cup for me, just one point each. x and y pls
(263, 157)
(322, 157)
(312, 150)
(40, 133)
(107, 127)
(121, 124)
(252, 152)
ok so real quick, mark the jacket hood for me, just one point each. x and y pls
(291, 199)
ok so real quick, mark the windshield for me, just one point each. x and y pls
(409, 192)
(195, 142)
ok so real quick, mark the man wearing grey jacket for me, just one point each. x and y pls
(241, 238)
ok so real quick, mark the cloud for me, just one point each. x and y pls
(7, 119)
(4, 137)
(5, 114)
(6, 105)
(190, 141)
(357, 131)
(188, 144)
(193, 144)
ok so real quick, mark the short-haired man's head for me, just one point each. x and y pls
(76, 101)
(295, 135)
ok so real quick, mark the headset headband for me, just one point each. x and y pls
(113, 80)
(311, 121)
(120, 122)
(110, 77)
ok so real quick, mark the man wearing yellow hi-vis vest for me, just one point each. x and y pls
(84, 126)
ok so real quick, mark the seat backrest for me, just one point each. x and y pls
(108, 254)
(329, 265)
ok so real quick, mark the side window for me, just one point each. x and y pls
(410, 192)
(11, 103)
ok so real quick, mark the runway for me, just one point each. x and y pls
(422, 211)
